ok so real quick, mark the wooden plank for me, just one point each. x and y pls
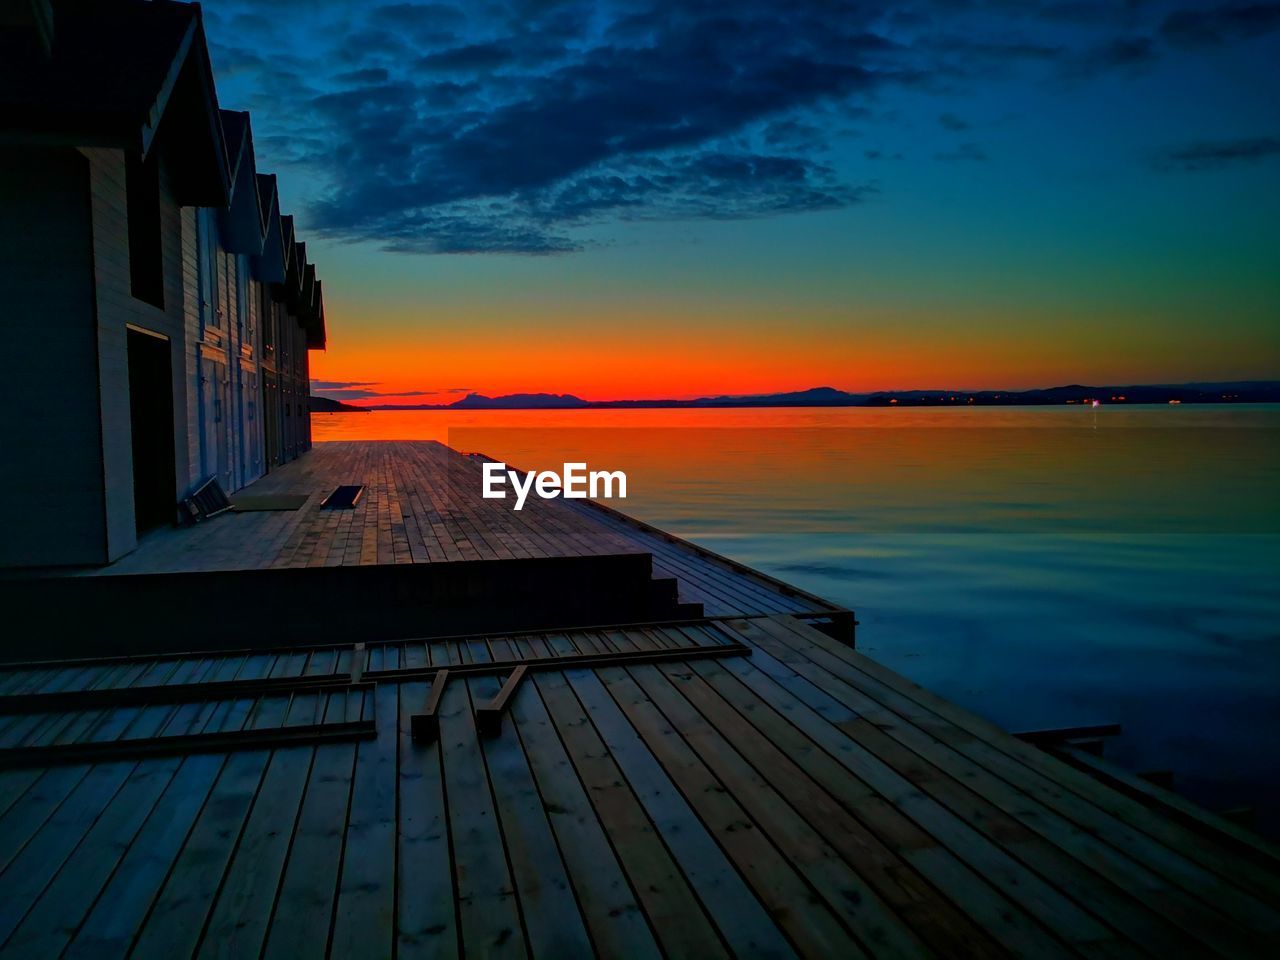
(303, 911)
(237, 925)
(65, 902)
(567, 657)
(488, 911)
(613, 915)
(1011, 858)
(25, 818)
(678, 919)
(177, 920)
(994, 808)
(13, 786)
(365, 917)
(796, 904)
(1159, 843)
(210, 742)
(26, 875)
(553, 922)
(120, 909)
(882, 828)
(836, 869)
(151, 694)
(489, 712)
(425, 726)
(743, 922)
(426, 924)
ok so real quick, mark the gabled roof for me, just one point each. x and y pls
(241, 222)
(119, 73)
(280, 291)
(316, 333)
(269, 266)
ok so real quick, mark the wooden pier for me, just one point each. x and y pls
(735, 783)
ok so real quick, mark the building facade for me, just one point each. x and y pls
(156, 310)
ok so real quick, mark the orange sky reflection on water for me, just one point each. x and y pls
(1068, 469)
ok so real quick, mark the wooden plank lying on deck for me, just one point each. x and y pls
(799, 801)
(425, 726)
(566, 661)
(489, 714)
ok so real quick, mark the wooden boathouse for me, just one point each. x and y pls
(157, 307)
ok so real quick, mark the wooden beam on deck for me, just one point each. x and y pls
(489, 716)
(424, 727)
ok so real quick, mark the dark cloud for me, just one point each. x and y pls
(469, 58)
(341, 384)
(1213, 155)
(1120, 53)
(417, 16)
(649, 125)
(510, 125)
(966, 152)
(366, 76)
(357, 391)
(1198, 27)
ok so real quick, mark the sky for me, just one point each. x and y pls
(677, 199)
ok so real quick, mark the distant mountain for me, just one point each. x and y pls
(813, 397)
(1243, 391)
(325, 405)
(519, 401)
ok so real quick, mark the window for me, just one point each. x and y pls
(142, 203)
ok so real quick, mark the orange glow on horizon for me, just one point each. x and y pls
(635, 359)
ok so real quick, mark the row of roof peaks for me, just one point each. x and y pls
(136, 73)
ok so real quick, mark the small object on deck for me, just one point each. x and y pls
(252, 503)
(344, 497)
(1060, 735)
(207, 501)
(489, 717)
(424, 727)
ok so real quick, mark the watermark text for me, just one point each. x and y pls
(574, 483)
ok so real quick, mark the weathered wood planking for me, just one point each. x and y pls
(801, 801)
(423, 505)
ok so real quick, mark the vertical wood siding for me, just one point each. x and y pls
(51, 460)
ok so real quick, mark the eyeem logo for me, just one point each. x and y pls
(574, 484)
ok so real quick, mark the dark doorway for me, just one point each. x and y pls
(155, 496)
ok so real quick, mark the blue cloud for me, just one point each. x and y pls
(510, 125)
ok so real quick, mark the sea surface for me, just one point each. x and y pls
(1044, 567)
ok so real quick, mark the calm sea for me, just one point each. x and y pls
(1044, 567)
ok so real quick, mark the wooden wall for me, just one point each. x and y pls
(51, 505)
(116, 309)
(66, 305)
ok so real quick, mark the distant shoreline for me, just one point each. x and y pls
(793, 406)
(1239, 391)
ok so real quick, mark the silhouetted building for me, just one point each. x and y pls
(155, 308)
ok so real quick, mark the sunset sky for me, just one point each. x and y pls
(674, 199)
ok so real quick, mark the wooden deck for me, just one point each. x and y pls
(799, 800)
(422, 505)
(734, 783)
